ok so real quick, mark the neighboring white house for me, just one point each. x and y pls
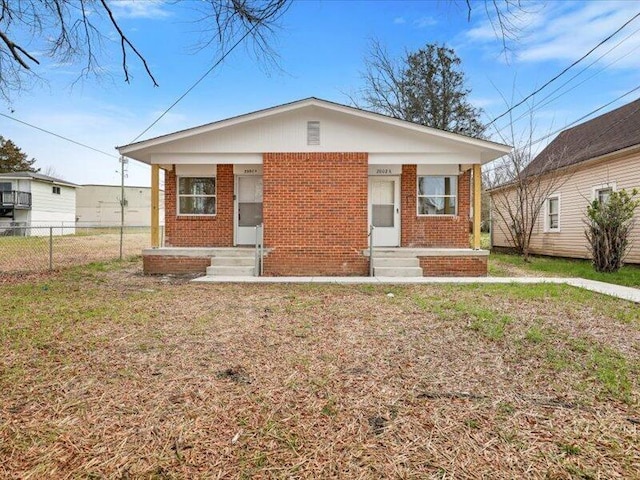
(33, 201)
(99, 205)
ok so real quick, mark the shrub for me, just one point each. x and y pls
(609, 224)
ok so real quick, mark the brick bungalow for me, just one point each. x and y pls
(316, 175)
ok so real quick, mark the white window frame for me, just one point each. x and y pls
(603, 186)
(418, 177)
(56, 190)
(547, 213)
(179, 195)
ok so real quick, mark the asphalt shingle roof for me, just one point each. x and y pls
(613, 131)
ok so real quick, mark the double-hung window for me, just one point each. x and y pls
(196, 195)
(437, 195)
(553, 214)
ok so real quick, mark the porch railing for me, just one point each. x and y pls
(15, 198)
(371, 230)
(258, 269)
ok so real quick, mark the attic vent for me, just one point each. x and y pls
(313, 133)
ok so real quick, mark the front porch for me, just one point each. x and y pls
(387, 262)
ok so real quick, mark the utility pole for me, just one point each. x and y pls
(123, 166)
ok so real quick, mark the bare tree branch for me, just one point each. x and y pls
(124, 41)
(16, 50)
(71, 31)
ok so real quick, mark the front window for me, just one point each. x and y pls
(55, 190)
(437, 195)
(5, 186)
(553, 213)
(196, 196)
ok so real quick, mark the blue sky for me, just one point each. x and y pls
(321, 46)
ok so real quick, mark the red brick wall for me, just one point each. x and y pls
(433, 231)
(162, 264)
(185, 231)
(315, 213)
(454, 266)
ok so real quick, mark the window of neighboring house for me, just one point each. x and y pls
(603, 192)
(56, 190)
(553, 214)
(5, 186)
(437, 195)
(196, 195)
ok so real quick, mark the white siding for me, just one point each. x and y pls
(100, 205)
(50, 209)
(576, 192)
(287, 132)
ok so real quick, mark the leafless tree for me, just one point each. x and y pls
(519, 189)
(75, 31)
(426, 87)
(51, 171)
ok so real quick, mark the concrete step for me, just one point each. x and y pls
(234, 252)
(396, 262)
(397, 271)
(233, 261)
(233, 271)
(389, 253)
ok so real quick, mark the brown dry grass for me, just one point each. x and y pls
(108, 374)
(31, 254)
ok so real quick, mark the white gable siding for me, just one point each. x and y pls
(287, 132)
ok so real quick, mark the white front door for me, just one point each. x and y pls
(384, 210)
(248, 208)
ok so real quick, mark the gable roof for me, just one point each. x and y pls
(36, 176)
(608, 133)
(496, 149)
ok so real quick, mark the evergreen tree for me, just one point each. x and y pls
(13, 159)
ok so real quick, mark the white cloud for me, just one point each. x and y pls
(424, 22)
(399, 21)
(566, 31)
(139, 9)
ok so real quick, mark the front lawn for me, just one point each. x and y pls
(105, 373)
(501, 264)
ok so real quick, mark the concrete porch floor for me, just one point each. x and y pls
(618, 291)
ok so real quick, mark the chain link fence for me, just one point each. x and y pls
(32, 249)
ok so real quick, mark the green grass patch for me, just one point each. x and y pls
(629, 275)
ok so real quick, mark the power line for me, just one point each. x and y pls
(538, 90)
(59, 136)
(544, 137)
(67, 139)
(255, 25)
(543, 103)
(586, 116)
